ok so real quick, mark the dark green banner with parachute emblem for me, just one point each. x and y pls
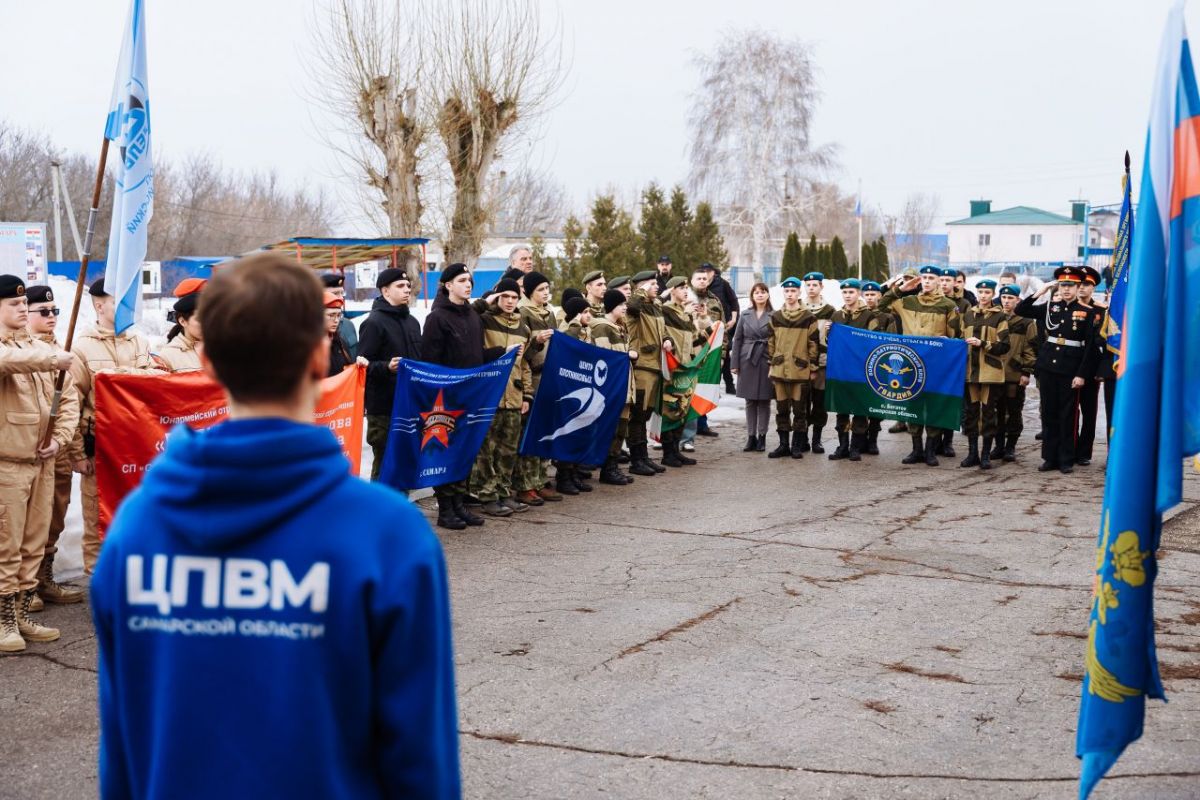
(914, 379)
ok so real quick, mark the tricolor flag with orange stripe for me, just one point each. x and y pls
(1156, 418)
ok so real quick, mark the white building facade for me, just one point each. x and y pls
(1019, 236)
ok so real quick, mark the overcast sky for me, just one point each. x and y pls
(1026, 102)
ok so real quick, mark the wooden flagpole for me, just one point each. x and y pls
(85, 257)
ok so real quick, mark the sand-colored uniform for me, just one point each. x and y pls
(100, 350)
(180, 354)
(27, 376)
(985, 368)
(63, 474)
(793, 352)
(491, 476)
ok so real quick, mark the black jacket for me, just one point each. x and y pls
(453, 336)
(389, 332)
(339, 356)
(723, 291)
(1066, 335)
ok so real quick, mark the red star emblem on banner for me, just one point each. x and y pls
(439, 422)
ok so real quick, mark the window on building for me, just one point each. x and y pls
(1035, 240)
(985, 239)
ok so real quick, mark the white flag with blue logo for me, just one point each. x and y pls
(128, 127)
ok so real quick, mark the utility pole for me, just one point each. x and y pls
(62, 197)
(57, 214)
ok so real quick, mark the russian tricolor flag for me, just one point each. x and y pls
(1156, 419)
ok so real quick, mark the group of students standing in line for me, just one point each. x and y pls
(780, 354)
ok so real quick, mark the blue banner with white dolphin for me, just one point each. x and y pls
(578, 402)
(440, 416)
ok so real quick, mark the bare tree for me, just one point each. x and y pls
(916, 219)
(493, 66)
(527, 201)
(751, 121)
(369, 70)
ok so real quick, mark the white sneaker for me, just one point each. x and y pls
(688, 447)
(656, 445)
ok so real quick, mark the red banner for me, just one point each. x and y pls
(134, 414)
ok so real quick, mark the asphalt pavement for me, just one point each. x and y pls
(754, 628)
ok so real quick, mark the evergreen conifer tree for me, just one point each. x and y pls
(792, 264)
(656, 232)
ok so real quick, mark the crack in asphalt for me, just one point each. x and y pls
(52, 660)
(663, 636)
(515, 739)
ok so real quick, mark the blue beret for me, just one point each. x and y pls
(871, 286)
(814, 276)
(1012, 289)
(986, 283)
(791, 282)
(930, 269)
(949, 272)
(851, 283)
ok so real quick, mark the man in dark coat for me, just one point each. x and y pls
(453, 337)
(389, 334)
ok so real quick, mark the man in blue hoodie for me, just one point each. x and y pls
(269, 625)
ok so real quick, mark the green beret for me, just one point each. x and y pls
(618, 282)
(678, 280)
(644, 275)
(594, 275)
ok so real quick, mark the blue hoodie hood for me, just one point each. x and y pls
(204, 482)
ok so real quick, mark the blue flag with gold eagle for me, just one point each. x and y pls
(1156, 418)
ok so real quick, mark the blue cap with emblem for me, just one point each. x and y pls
(791, 283)
(851, 283)
(930, 269)
(871, 286)
(814, 276)
(1010, 289)
(986, 283)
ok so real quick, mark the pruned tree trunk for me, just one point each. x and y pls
(388, 115)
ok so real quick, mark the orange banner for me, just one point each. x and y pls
(134, 414)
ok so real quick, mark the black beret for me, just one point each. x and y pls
(332, 279)
(532, 280)
(507, 285)
(514, 273)
(11, 286)
(39, 294)
(613, 298)
(390, 276)
(576, 306)
(186, 305)
(451, 272)
(570, 292)
(97, 288)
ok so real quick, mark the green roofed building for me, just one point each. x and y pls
(1018, 236)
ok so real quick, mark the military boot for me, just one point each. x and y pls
(932, 444)
(638, 464)
(800, 439)
(998, 450)
(610, 473)
(784, 449)
(581, 478)
(447, 518)
(670, 456)
(817, 447)
(946, 445)
(760, 443)
(857, 442)
(918, 451)
(750, 442)
(972, 459)
(985, 455)
(460, 509)
(686, 460)
(843, 448)
(564, 483)
(10, 634)
(871, 448)
(899, 427)
(1010, 446)
(30, 630)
